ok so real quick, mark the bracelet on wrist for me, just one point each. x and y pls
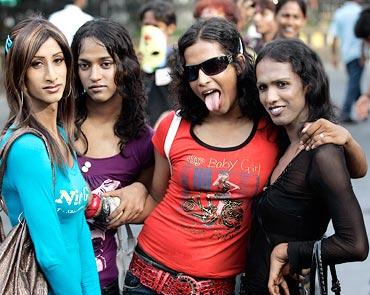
(93, 206)
(104, 212)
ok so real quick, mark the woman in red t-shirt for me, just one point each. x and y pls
(195, 240)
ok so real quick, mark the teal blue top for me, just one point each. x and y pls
(54, 215)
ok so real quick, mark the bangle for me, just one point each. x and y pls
(93, 206)
(104, 212)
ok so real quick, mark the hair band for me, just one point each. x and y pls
(8, 44)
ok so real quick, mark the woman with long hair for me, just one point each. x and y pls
(306, 189)
(113, 140)
(221, 157)
(42, 181)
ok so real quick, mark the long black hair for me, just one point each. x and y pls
(224, 33)
(128, 78)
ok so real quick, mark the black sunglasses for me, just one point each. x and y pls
(210, 67)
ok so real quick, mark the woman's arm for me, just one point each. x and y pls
(330, 179)
(323, 131)
(159, 186)
(29, 172)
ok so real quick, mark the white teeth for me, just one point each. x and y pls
(207, 92)
(276, 110)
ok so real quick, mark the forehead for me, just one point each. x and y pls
(149, 18)
(92, 48)
(268, 70)
(201, 51)
(49, 47)
(291, 7)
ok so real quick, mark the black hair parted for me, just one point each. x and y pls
(309, 68)
(117, 42)
(226, 35)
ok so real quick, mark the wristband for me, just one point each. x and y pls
(93, 206)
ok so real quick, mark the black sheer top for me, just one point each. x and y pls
(313, 189)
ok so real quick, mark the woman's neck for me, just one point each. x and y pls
(48, 118)
(107, 111)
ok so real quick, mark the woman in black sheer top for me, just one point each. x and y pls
(307, 188)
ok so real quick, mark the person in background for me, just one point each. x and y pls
(306, 189)
(113, 140)
(264, 20)
(342, 30)
(362, 30)
(70, 18)
(42, 181)
(160, 14)
(227, 9)
(290, 17)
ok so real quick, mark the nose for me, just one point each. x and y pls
(269, 97)
(51, 73)
(203, 78)
(95, 73)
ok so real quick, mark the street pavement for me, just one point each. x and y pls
(355, 277)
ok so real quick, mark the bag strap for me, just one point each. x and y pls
(4, 151)
(321, 269)
(175, 123)
(130, 238)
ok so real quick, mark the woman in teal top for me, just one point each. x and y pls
(42, 181)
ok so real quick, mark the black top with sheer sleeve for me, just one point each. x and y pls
(314, 189)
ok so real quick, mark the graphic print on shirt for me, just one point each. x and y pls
(70, 202)
(98, 230)
(218, 201)
(219, 206)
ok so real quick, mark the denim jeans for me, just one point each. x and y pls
(134, 287)
(111, 289)
(354, 72)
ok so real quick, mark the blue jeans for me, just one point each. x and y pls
(134, 287)
(354, 72)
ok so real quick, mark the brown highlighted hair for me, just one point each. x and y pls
(27, 37)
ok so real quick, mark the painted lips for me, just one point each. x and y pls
(53, 88)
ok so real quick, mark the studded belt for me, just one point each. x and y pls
(167, 283)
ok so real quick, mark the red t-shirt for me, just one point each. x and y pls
(201, 226)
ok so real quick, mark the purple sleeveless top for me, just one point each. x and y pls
(108, 174)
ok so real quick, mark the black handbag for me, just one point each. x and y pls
(318, 267)
(19, 271)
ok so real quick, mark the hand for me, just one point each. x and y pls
(132, 202)
(321, 132)
(362, 107)
(278, 268)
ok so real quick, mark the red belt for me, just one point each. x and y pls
(167, 284)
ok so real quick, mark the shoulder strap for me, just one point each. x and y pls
(175, 123)
(4, 151)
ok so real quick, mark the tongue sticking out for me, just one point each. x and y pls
(213, 101)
